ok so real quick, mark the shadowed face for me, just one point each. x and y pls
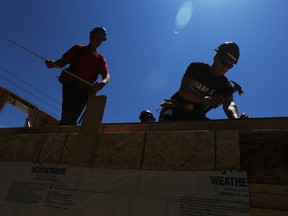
(95, 40)
(220, 66)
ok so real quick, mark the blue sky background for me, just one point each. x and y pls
(150, 43)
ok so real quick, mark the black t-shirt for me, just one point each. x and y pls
(205, 83)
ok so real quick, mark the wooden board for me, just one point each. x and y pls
(83, 146)
(268, 196)
(256, 124)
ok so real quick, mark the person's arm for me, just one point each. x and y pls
(66, 57)
(97, 86)
(105, 79)
(230, 109)
(58, 64)
(188, 93)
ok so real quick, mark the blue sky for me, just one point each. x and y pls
(150, 43)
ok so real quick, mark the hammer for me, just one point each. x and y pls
(237, 88)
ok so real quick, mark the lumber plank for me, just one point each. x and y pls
(82, 149)
(256, 124)
(268, 196)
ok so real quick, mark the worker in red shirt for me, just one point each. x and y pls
(85, 64)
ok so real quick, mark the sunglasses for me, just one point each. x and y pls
(226, 64)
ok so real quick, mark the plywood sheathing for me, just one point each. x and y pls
(264, 155)
(119, 151)
(168, 151)
(52, 149)
(21, 147)
(147, 151)
(179, 151)
(228, 150)
(188, 151)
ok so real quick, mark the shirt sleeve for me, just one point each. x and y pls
(195, 69)
(72, 53)
(103, 68)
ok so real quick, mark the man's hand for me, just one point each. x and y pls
(97, 87)
(244, 116)
(50, 63)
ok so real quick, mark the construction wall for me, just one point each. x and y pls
(142, 150)
(256, 146)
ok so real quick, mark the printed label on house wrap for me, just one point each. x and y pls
(51, 189)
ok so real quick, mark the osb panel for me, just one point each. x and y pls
(119, 150)
(228, 150)
(52, 148)
(21, 147)
(2, 140)
(264, 155)
(183, 151)
(81, 149)
(69, 148)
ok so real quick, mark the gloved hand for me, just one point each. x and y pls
(244, 116)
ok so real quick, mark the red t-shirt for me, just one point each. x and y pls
(89, 65)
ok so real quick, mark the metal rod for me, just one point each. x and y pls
(66, 71)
